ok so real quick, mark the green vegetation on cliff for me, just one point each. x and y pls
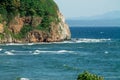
(46, 10)
(88, 76)
(43, 8)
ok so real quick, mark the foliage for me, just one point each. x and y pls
(24, 31)
(88, 76)
(1, 36)
(46, 9)
(29, 7)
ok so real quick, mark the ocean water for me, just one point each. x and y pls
(92, 49)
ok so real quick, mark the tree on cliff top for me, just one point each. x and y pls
(46, 9)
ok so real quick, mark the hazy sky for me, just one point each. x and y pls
(78, 8)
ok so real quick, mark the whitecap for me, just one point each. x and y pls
(14, 44)
(15, 51)
(85, 40)
(36, 52)
(63, 42)
(30, 43)
(65, 51)
(106, 52)
(52, 52)
(1, 49)
(62, 51)
(17, 44)
(9, 53)
(24, 79)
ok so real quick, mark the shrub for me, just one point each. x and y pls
(46, 9)
(88, 76)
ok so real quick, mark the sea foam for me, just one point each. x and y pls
(1, 49)
(53, 52)
(36, 52)
(85, 40)
(64, 51)
(24, 79)
(9, 53)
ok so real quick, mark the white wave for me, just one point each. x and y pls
(43, 48)
(64, 51)
(84, 40)
(52, 52)
(14, 44)
(20, 44)
(61, 51)
(63, 42)
(73, 40)
(37, 52)
(24, 79)
(106, 52)
(15, 51)
(1, 49)
(9, 53)
(30, 43)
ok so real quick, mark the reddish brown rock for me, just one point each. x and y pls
(36, 36)
(16, 24)
(57, 31)
(1, 28)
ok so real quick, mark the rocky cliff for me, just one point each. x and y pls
(31, 21)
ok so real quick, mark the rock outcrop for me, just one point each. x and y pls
(1, 28)
(30, 24)
(58, 32)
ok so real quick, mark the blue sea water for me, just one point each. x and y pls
(93, 49)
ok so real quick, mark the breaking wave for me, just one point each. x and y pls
(73, 40)
(1, 49)
(53, 52)
(85, 40)
(9, 53)
(23, 79)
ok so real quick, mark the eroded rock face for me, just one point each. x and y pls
(16, 24)
(65, 31)
(42, 22)
(1, 28)
(36, 36)
(58, 32)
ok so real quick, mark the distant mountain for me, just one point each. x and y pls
(107, 19)
(106, 16)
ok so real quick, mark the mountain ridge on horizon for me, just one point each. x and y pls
(107, 19)
(105, 16)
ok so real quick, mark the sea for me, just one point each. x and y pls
(93, 49)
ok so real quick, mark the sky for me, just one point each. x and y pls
(86, 8)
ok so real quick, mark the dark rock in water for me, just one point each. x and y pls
(41, 22)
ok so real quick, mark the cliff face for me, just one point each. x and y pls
(58, 32)
(19, 22)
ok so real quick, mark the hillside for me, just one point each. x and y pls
(31, 21)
